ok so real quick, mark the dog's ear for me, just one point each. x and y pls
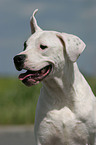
(73, 45)
(33, 23)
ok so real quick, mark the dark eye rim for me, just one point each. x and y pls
(25, 45)
(43, 46)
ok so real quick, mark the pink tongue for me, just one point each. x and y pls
(24, 76)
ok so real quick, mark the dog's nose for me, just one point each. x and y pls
(19, 61)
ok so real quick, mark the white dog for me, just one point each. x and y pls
(66, 110)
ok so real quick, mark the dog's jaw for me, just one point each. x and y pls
(30, 77)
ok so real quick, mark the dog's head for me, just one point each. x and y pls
(44, 53)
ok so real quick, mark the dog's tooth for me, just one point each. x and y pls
(38, 73)
(29, 77)
(43, 71)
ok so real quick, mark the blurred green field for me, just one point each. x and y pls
(18, 102)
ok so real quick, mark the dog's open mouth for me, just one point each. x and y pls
(30, 77)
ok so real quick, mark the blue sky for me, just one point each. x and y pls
(77, 17)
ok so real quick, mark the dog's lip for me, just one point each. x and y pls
(31, 77)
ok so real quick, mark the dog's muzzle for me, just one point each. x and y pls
(19, 61)
(31, 77)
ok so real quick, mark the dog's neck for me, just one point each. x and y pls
(59, 91)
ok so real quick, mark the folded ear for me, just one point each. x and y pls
(74, 46)
(33, 23)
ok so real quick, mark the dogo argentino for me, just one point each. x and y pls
(66, 109)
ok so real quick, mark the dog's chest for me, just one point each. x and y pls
(58, 127)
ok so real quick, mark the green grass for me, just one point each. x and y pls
(18, 102)
(92, 83)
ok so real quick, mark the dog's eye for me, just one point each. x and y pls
(43, 46)
(25, 45)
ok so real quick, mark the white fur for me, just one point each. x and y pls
(66, 109)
